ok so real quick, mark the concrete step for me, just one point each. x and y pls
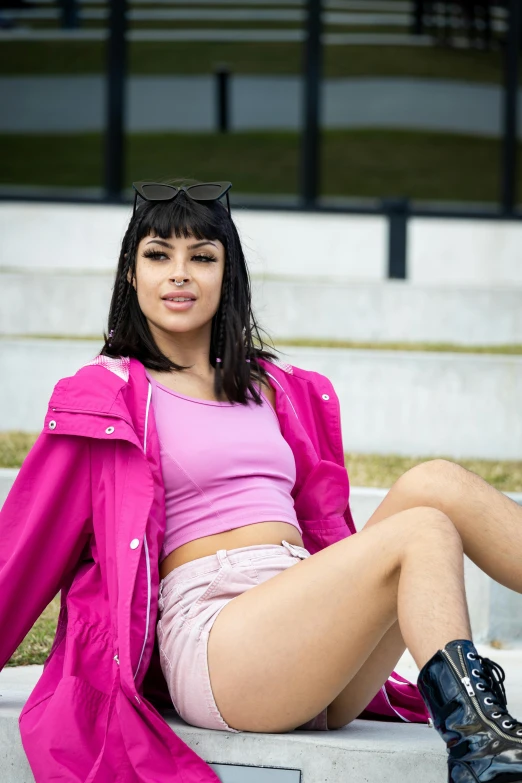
(361, 752)
(440, 252)
(75, 303)
(494, 610)
(392, 402)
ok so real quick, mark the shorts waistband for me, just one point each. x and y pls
(230, 557)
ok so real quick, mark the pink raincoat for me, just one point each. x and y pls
(86, 516)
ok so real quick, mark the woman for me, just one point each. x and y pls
(178, 477)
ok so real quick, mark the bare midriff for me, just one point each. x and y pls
(246, 535)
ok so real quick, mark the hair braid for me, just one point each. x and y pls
(224, 312)
(225, 306)
(120, 302)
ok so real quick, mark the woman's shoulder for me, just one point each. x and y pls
(284, 369)
(98, 379)
(118, 365)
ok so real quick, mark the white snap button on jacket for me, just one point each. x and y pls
(52, 424)
(134, 544)
(109, 430)
(326, 396)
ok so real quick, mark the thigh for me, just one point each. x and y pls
(373, 673)
(370, 678)
(281, 652)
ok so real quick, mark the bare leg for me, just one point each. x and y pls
(490, 526)
(489, 523)
(269, 674)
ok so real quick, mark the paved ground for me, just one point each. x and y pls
(50, 104)
(351, 13)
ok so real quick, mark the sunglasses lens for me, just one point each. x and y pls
(156, 191)
(206, 192)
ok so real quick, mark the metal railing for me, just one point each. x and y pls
(398, 210)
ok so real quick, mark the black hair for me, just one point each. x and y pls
(234, 333)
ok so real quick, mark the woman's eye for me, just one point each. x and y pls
(155, 254)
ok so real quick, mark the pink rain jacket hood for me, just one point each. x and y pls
(86, 516)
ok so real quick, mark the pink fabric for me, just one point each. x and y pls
(224, 465)
(86, 516)
(190, 598)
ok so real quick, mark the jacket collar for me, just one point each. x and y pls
(124, 392)
(112, 393)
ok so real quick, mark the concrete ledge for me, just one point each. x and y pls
(366, 750)
(360, 752)
(442, 251)
(273, 241)
(343, 309)
(412, 402)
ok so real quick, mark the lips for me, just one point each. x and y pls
(184, 295)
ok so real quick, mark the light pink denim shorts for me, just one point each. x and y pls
(190, 598)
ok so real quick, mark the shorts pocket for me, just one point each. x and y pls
(192, 593)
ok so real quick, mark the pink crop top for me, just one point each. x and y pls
(224, 465)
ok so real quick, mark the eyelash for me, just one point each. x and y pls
(156, 253)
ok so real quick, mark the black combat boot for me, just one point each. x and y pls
(465, 696)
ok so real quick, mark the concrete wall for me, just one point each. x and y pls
(465, 252)
(455, 252)
(392, 402)
(389, 311)
(408, 402)
(76, 303)
(89, 237)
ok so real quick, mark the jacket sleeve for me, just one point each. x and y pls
(45, 523)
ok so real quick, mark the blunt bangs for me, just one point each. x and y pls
(182, 217)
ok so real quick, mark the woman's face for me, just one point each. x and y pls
(199, 263)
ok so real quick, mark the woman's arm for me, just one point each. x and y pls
(45, 523)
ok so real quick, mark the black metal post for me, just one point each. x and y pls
(418, 18)
(69, 13)
(311, 140)
(510, 110)
(223, 102)
(116, 74)
(398, 212)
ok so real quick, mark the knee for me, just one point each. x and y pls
(424, 523)
(428, 482)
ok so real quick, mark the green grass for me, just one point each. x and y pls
(359, 164)
(218, 24)
(368, 470)
(185, 58)
(377, 470)
(506, 350)
(37, 644)
(365, 470)
(312, 342)
(14, 447)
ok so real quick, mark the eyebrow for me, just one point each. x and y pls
(190, 247)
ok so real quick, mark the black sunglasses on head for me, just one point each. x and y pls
(203, 191)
